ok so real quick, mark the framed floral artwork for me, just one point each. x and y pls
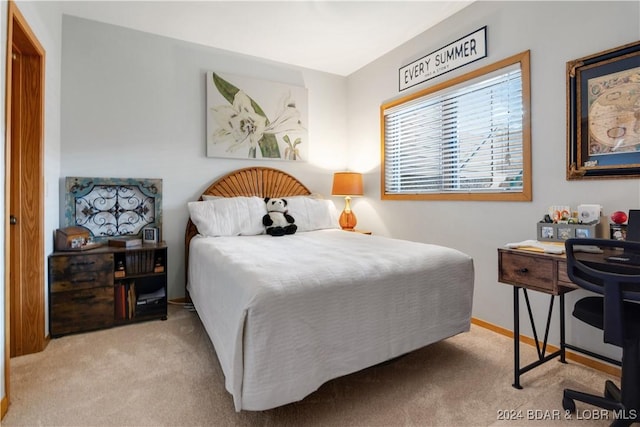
(255, 119)
(603, 114)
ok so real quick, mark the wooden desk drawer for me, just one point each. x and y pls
(77, 272)
(562, 272)
(526, 271)
(563, 277)
(83, 310)
(85, 280)
(72, 264)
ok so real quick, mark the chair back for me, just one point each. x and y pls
(616, 282)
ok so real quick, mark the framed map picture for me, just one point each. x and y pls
(603, 114)
(255, 119)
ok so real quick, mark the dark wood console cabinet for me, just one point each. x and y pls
(105, 287)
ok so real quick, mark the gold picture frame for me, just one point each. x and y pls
(603, 114)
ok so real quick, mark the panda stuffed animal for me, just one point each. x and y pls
(277, 221)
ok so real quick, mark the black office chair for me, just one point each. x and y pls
(616, 315)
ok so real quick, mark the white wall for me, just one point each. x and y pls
(555, 32)
(44, 18)
(133, 105)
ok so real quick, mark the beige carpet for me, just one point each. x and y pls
(166, 374)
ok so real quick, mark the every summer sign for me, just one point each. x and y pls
(461, 52)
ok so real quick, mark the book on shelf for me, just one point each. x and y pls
(125, 242)
(132, 300)
(139, 262)
(151, 297)
(120, 301)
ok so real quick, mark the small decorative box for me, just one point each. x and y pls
(74, 239)
(559, 232)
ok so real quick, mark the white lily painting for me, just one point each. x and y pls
(255, 119)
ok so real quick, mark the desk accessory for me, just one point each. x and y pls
(589, 213)
(618, 217)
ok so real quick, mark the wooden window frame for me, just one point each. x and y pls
(523, 59)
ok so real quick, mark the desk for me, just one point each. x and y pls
(544, 273)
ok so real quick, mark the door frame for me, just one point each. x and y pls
(29, 188)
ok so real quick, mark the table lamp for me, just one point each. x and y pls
(347, 184)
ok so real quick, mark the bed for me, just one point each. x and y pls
(287, 314)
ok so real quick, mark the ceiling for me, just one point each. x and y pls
(338, 37)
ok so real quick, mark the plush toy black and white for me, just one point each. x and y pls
(277, 221)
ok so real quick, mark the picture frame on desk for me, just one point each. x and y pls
(546, 231)
(602, 138)
(150, 235)
(583, 233)
(618, 231)
(565, 232)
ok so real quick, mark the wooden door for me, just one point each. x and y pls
(26, 268)
(24, 193)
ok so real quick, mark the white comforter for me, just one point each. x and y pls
(286, 314)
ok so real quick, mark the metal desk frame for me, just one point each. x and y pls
(543, 357)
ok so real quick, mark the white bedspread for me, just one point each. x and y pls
(286, 314)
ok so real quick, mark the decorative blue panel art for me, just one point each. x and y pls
(111, 207)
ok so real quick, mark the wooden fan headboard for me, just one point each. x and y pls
(256, 181)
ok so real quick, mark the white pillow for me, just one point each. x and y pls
(228, 216)
(311, 213)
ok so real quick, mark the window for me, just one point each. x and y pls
(465, 139)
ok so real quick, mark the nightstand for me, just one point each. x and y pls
(106, 286)
(360, 231)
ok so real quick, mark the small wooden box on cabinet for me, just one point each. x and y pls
(73, 239)
(97, 289)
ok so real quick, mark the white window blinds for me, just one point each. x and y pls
(466, 138)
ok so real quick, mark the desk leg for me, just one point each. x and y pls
(563, 346)
(516, 338)
(542, 356)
